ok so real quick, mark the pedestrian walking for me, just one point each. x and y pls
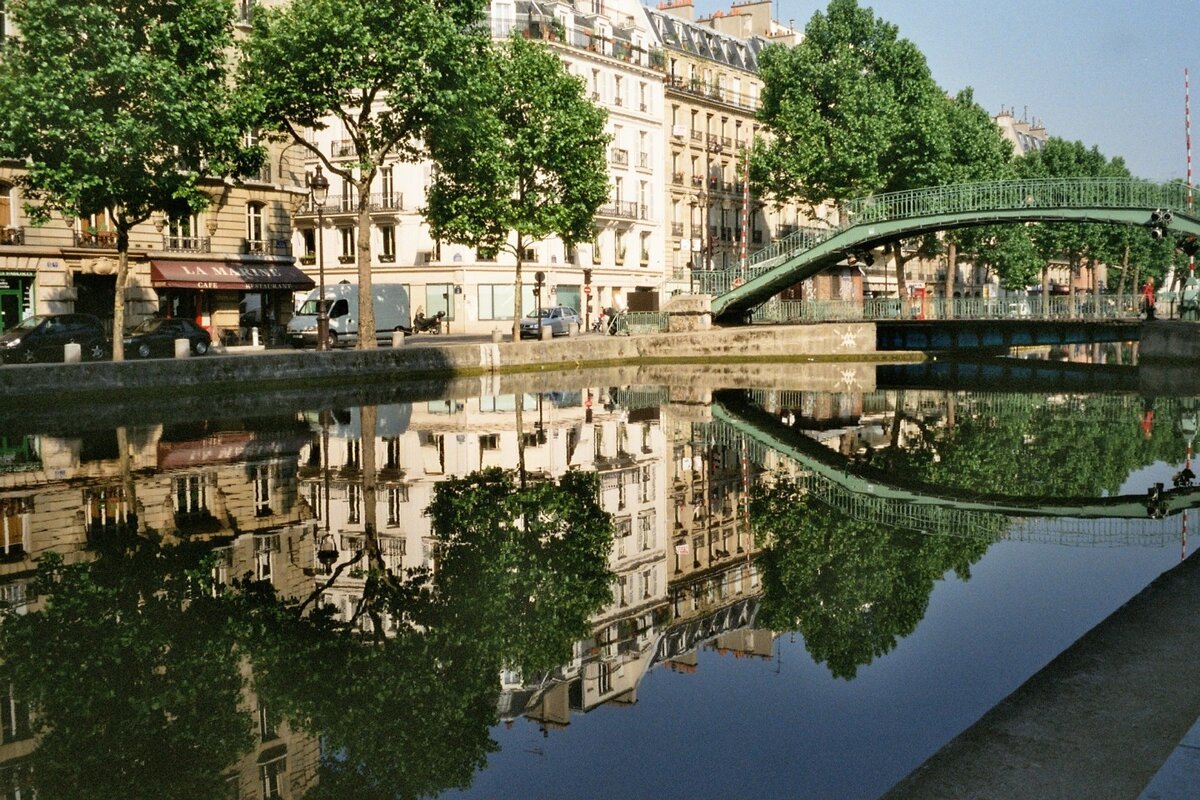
(1148, 299)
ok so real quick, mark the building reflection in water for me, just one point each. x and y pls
(295, 499)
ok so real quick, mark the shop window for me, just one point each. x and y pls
(496, 301)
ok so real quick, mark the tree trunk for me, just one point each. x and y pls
(1046, 289)
(1124, 272)
(1072, 263)
(518, 310)
(362, 254)
(951, 273)
(118, 332)
(898, 255)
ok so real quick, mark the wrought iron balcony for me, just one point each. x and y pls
(12, 235)
(266, 247)
(619, 156)
(187, 244)
(98, 239)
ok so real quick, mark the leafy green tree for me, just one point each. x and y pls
(851, 588)
(977, 152)
(519, 571)
(120, 108)
(379, 70)
(522, 160)
(832, 108)
(133, 687)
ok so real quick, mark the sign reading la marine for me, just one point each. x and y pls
(227, 275)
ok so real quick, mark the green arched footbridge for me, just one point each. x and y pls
(871, 221)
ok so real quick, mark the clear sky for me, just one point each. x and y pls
(1108, 73)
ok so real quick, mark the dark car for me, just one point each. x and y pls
(156, 337)
(42, 338)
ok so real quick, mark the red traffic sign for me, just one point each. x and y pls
(587, 289)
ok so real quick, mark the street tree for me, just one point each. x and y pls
(522, 160)
(121, 109)
(977, 152)
(376, 70)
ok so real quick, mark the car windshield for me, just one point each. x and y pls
(148, 325)
(545, 314)
(29, 323)
(309, 308)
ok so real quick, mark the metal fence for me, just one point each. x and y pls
(1106, 306)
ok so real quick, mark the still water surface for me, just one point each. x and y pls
(586, 591)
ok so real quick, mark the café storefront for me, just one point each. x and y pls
(229, 298)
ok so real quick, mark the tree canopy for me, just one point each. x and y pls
(524, 160)
(377, 70)
(121, 108)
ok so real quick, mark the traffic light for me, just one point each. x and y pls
(1189, 245)
(1160, 220)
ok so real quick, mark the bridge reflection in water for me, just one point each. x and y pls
(293, 501)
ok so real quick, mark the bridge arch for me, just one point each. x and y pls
(873, 220)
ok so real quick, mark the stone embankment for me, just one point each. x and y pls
(32, 386)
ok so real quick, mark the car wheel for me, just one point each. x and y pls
(28, 357)
(200, 348)
(330, 340)
(143, 350)
(95, 351)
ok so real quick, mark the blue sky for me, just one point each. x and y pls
(1108, 73)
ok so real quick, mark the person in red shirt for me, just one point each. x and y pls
(1148, 299)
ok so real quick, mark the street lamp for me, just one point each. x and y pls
(318, 193)
(539, 278)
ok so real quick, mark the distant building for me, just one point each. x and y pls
(1025, 135)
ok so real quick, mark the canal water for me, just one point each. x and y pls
(713, 586)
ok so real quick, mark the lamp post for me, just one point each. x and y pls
(538, 278)
(318, 192)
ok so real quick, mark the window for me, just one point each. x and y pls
(255, 235)
(316, 499)
(271, 775)
(265, 548)
(439, 297)
(387, 188)
(346, 235)
(15, 717)
(397, 496)
(260, 478)
(503, 19)
(190, 495)
(353, 503)
(6, 191)
(387, 243)
(106, 512)
(14, 526)
(496, 301)
(489, 441)
(267, 723)
(646, 536)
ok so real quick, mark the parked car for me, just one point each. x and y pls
(559, 319)
(156, 337)
(42, 338)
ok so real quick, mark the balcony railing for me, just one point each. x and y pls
(187, 244)
(343, 148)
(677, 179)
(677, 229)
(98, 239)
(12, 235)
(622, 209)
(266, 247)
(619, 156)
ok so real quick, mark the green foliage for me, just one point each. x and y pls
(527, 154)
(381, 70)
(119, 106)
(852, 110)
(851, 588)
(134, 689)
(519, 572)
(531, 562)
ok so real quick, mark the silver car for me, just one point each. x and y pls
(561, 320)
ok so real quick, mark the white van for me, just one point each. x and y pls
(392, 313)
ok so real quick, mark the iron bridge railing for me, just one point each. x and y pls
(958, 199)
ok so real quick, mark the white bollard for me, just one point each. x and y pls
(547, 333)
(254, 336)
(397, 338)
(497, 336)
(183, 348)
(72, 353)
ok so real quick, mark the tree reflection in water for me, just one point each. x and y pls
(133, 665)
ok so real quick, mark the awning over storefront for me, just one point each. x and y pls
(227, 275)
